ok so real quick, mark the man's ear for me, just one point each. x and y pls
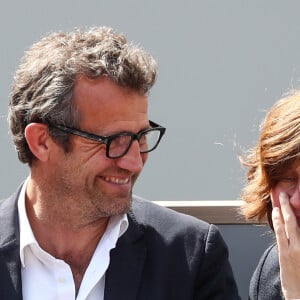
(38, 140)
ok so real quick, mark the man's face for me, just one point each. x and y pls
(97, 186)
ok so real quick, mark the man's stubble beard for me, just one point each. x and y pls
(83, 206)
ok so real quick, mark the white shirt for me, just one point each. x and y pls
(45, 277)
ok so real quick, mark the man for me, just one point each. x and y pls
(78, 117)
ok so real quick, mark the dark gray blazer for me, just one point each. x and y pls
(163, 255)
(265, 282)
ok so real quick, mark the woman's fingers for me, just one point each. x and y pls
(279, 229)
(288, 216)
(288, 241)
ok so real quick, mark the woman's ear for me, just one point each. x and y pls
(38, 140)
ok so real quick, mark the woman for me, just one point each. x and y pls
(272, 193)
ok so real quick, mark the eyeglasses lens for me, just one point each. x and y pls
(147, 142)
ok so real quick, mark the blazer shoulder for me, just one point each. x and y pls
(196, 246)
(151, 217)
(265, 281)
(7, 205)
(148, 213)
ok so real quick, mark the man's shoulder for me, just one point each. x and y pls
(150, 214)
(10, 201)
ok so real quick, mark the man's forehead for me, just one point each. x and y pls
(103, 102)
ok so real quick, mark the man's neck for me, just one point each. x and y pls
(72, 242)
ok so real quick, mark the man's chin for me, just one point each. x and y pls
(120, 205)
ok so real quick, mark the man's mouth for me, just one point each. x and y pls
(116, 180)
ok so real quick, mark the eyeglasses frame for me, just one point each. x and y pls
(108, 139)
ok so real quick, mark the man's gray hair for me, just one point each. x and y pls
(43, 86)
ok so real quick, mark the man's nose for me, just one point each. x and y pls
(133, 160)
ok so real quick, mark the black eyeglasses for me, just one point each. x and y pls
(117, 145)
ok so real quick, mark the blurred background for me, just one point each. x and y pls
(222, 64)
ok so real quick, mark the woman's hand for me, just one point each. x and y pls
(288, 240)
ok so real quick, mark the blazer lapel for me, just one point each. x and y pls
(126, 264)
(10, 265)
